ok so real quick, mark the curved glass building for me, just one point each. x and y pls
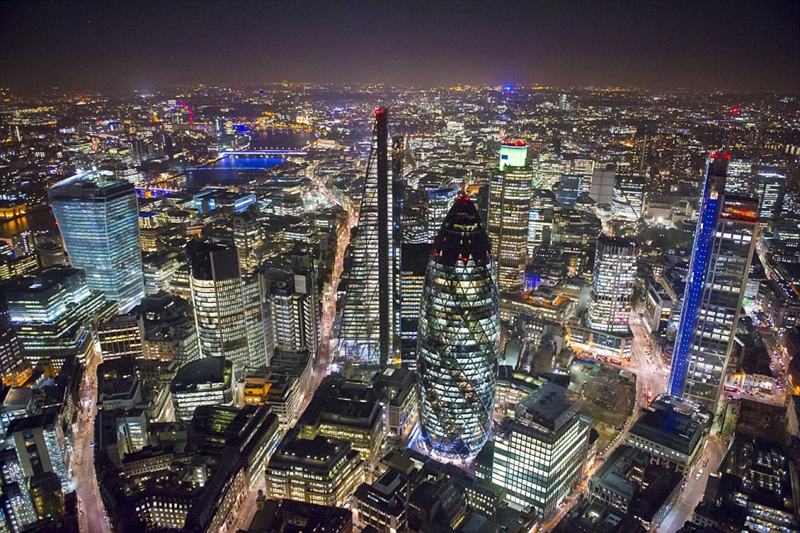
(459, 331)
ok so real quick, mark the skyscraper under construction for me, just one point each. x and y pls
(370, 317)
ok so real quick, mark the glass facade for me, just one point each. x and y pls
(539, 454)
(99, 223)
(613, 280)
(459, 332)
(369, 309)
(718, 270)
(740, 177)
(628, 199)
(227, 307)
(509, 213)
(770, 189)
(439, 203)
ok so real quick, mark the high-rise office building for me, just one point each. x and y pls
(540, 219)
(247, 238)
(570, 189)
(439, 203)
(723, 247)
(168, 329)
(538, 455)
(641, 141)
(294, 310)
(770, 188)
(459, 328)
(612, 284)
(14, 367)
(412, 278)
(99, 223)
(628, 200)
(509, 211)
(228, 310)
(740, 177)
(369, 318)
(207, 381)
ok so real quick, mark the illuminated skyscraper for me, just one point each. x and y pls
(720, 262)
(509, 211)
(770, 189)
(227, 307)
(370, 321)
(99, 223)
(439, 203)
(612, 284)
(740, 177)
(628, 199)
(247, 238)
(459, 329)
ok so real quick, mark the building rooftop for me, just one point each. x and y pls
(206, 371)
(672, 422)
(550, 406)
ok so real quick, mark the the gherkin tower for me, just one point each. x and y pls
(459, 332)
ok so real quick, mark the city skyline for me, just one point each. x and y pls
(654, 45)
(240, 306)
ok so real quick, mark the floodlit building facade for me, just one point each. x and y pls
(539, 454)
(628, 199)
(613, 280)
(228, 310)
(319, 471)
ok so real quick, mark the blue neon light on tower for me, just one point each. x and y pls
(720, 262)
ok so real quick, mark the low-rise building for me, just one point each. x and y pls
(671, 431)
(319, 471)
(382, 505)
(207, 381)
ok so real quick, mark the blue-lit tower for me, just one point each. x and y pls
(723, 246)
(99, 223)
(459, 331)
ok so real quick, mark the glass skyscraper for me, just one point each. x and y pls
(612, 284)
(439, 203)
(370, 318)
(459, 333)
(723, 246)
(770, 190)
(227, 307)
(509, 213)
(99, 223)
(628, 200)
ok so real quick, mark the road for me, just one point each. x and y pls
(692, 494)
(93, 515)
(330, 292)
(652, 374)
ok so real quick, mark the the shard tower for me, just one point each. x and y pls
(459, 336)
(369, 319)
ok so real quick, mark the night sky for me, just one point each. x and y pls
(140, 44)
